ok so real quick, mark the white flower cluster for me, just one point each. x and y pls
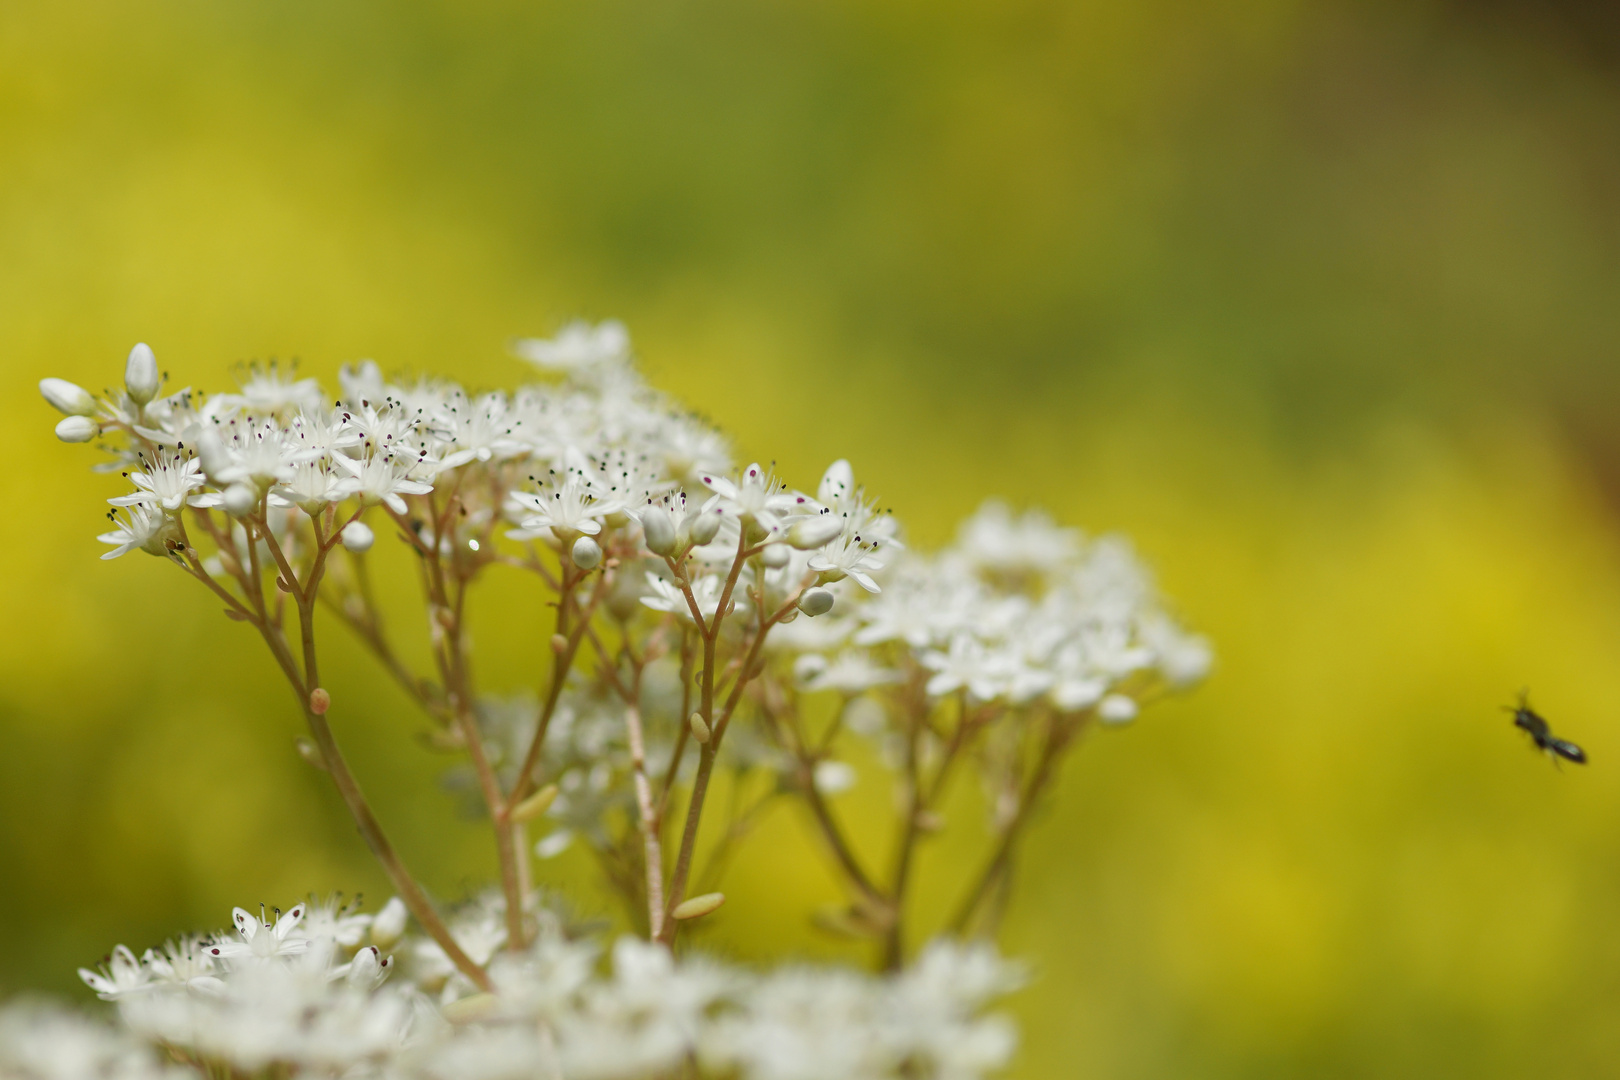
(706, 619)
(316, 994)
(1017, 610)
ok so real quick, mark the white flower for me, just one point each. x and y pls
(121, 974)
(184, 961)
(260, 453)
(323, 432)
(578, 346)
(166, 483)
(994, 540)
(755, 496)
(575, 505)
(140, 526)
(849, 672)
(481, 430)
(42, 1043)
(966, 663)
(334, 920)
(853, 557)
(380, 478)
(268, 389)
(260, 940)
(705, 590)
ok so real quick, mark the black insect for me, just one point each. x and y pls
(1541, 733)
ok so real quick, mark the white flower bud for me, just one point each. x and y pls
(368, 968)
(241, 499)
(836, 482)
(77, 429)
(658, 530)
(813, 532)
(358, 537)
(141, 376)
(833, 777)
(70, 398)
(815, 602)
(389, 925)
(1116, 709)
(705, 527)
(554, 844)
(586, 553)
(775, 556)
(698, 906)
(211, 453)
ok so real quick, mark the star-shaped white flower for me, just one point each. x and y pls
(757, 496)
(121, 974)
(380, 478)
(578, 347)
(706, 591)
(850, 556)
(260, 940)
(165, 484)
(577, 505)
(139, 526)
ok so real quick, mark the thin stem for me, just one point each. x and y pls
(1059, 734)
(717, 730)
(302, 684)
(653, 848)
(685, 725)
(560, 667)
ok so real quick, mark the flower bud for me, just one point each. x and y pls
(559, 644)
(815, 602)
(310, 753)
(141, 376)
(833, 777)
(389, 925)
(358, 537)
(658, 530)
(211, 453)
(775, 556)
(836, 482)
(77, 429)
(705, 527)
(535, 804)
(700, 730)
(812, 532)
(1116, 709)
(241, 499)
(66, 397)
(319, 701)
(368, 968)
(586, 553)
(698, 906)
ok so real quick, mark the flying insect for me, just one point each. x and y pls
(1540, 732)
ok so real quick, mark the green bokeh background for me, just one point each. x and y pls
(1319, 301)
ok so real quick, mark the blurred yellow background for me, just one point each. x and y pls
(1319, 302)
